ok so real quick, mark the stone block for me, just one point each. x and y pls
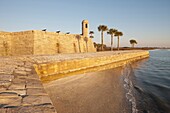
(10, 100)
(34, 83)
(33, 76)
(20, 69)
(19, 72)
(6, 77)
(19, 92)
(5, 84)
(17, 86)
(30, 109)
(36, 91)
(19, 79)
(36, 100)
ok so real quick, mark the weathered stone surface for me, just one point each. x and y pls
(36, 100)
(33, 83)
(10, 100)
(17, 86)
(20, 72)
(39, 42)
(28, 69)
(19, 79)
(20, 69)
(19, 92)
(8, 94)
(33, 76)
(6, 77)
(29, 109)
(5, 84)
(36, 91)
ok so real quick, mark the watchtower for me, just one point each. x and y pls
(85, 28)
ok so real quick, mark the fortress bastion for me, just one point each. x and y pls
(35, 42)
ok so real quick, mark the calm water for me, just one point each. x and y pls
(149, 83)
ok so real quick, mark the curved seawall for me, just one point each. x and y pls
(21, 77)
(81, 63)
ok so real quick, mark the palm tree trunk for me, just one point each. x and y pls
(118, 43)
(133, 45)
(111, 42)
(102, 40)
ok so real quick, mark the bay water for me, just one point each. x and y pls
(147, 83)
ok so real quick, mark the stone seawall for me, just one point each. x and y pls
(21, 77)
(85, 63)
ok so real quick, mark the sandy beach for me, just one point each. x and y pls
(95, 92)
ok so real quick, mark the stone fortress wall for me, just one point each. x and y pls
(36, 42)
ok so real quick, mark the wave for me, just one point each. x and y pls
(128, 86)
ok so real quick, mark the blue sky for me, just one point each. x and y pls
(147, 21)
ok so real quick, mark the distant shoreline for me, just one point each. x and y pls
(136, 48)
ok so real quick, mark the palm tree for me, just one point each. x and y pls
(118, 34)
(102, 28)
(133, 42)
(111, 32)
(78, 38)
(91, 34)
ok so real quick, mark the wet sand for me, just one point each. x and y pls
(95, 92)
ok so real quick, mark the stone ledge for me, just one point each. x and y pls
(50, 71)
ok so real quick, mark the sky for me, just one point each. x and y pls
(146, 21)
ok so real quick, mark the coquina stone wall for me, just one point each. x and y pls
(5, 43)
(22, 43)
(52, 43)
(42, 42)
